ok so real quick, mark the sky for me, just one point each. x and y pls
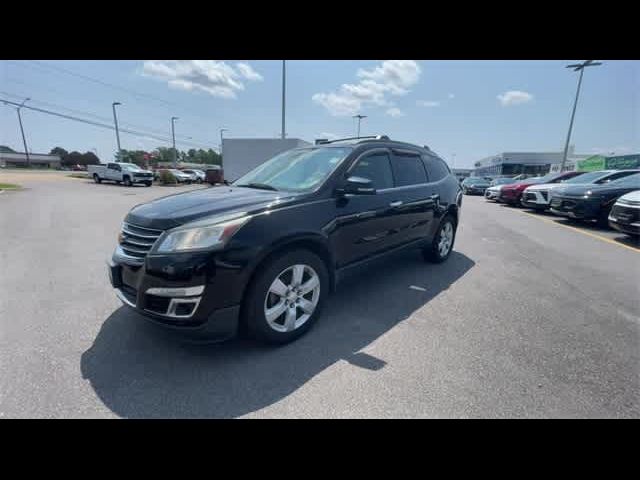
(463, 110)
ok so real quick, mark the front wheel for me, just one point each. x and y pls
(127, 182)
(442, 243)
(148, 184)
(96, 178)
(286, 297)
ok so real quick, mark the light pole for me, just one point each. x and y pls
(359, 117)
(173, 135)
(577, 67)
(222, 130)
(115, 120)
(24, 139)
(284, 79)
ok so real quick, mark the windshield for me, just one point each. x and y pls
(130, 166)
(628, 181)
(295, 170)
(585, 177)
(502, 181)
(475, 180)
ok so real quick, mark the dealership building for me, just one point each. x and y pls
(35, 160)
(517, 163)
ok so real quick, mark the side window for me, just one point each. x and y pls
(377, 168)
(437, 168)
(408, 170)
(112, 166)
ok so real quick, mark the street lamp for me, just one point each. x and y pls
(173, 135)
(115, 120)
(359, 117)
(577, 67)
(284, 78)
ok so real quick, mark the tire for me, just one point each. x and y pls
(127, 181)
(96, 178)
(603, 218)
(433, 253)
(147, 184)
(260, 296)
(199, 180)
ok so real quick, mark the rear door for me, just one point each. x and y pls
(413, 198)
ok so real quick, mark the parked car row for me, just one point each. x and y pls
(607, 197)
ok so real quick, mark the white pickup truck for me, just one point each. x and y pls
(126, 173)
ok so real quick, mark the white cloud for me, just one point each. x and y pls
(395, 112)
(451, 96)
(247, 72)
(216, 78)
(514, 97)
(393, 77)
(427, 103)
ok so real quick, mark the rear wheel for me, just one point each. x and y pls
(286, 297)
(96, 178)
(442, 243)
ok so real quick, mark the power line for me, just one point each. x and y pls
(111, 85)
(102, 125)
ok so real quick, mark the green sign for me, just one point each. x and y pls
(623, 161)
(591, 164)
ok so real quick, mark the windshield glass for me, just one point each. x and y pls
(296, 170)
(628, 181)
(502, 181)
(475, 180)
(130, 166)
(585, 177)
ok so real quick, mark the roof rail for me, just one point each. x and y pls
(370, 137)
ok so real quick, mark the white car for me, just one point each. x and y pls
(625, 214)
(539, 196)
(197, 176)
(493, 192)
(181, 177)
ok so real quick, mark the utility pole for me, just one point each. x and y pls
(577, 67)
(359, 117)
(173, 135)
(115, 120)
(24, 139)
(284, 80)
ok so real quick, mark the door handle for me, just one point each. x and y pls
(395, 204)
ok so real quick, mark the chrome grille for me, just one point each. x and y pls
(136, 241)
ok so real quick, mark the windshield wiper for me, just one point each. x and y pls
(262, 186)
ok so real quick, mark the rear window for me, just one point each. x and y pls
(408, 170)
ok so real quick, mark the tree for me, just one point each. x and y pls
(90, 158)
(61, 152)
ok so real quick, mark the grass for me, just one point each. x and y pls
(9, 186)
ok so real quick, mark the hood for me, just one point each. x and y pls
(595, 190)
(632, 198)
(542, 186)
(181, 208)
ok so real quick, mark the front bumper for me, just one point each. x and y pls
(197, 306)
(536, 199)
(575, 208)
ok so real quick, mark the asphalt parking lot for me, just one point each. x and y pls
(530, 317)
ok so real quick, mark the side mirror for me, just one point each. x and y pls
(357, 186)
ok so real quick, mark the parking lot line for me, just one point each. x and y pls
(604, 239)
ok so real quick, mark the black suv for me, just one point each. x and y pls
(261, 255)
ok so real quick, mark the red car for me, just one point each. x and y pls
(512, 194)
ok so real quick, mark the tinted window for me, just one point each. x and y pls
(408, 170)
(628, 181)
(436, 168)
(377, 168)
(111, 166)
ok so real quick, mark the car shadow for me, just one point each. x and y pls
(141, 371)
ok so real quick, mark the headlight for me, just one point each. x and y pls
(201, 236)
